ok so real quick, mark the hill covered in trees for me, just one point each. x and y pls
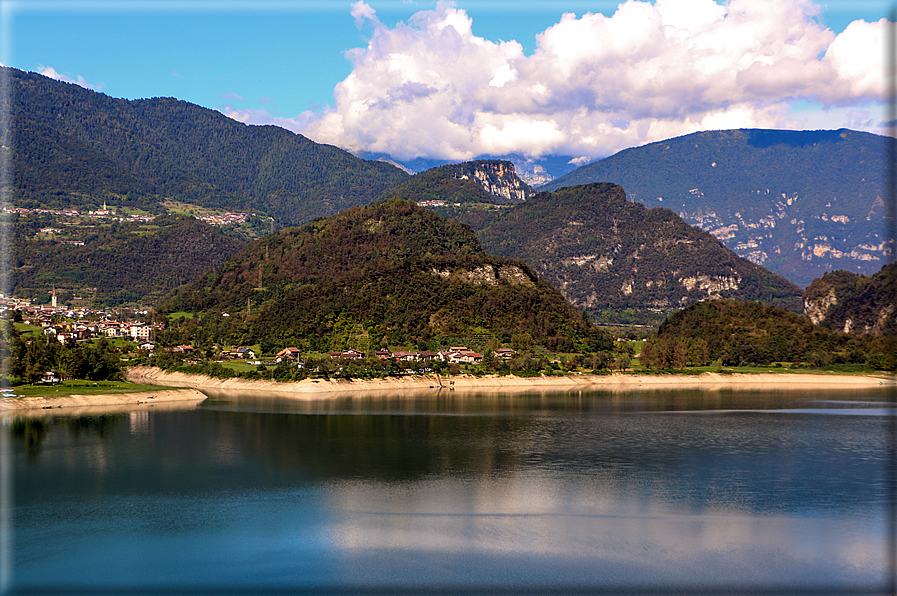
(387, 274)
(622, 262)
(77, 148)
(797, 202)
(116, 262)
(855, 303)
(737, 333)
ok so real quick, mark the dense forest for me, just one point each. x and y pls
(392, 272)
(76, 147)
(116, 262)
(736, 333)
(798, 202)
(609, 255)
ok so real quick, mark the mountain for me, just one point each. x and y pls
(855, 303)
(116, 262)
(76, 147)
(392, 272)
(534, 171)
(488, 181)
(607, 255)
(800, 203)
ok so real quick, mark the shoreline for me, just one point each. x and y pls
(314, 388)
(196, 388)
(150, 398)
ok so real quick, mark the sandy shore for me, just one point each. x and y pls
(197, 388)
(312, 389)
(151, 398)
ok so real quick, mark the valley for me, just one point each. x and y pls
(238, 236)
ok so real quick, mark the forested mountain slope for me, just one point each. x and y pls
(118, 262)
(395, 272)
(607, 254)
(800, 203)
(76, 147)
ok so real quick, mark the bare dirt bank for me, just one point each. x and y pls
(181, 396)
(313, 388)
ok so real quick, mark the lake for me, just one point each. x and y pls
(710, 492)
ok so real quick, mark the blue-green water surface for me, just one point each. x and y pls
(713, 492)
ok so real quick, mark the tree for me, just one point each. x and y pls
(622, 362)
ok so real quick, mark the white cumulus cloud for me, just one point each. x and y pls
(594, 84)
(49, 71)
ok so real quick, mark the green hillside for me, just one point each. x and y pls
(77, 148)
(116, 261)
(397, 273)
(737, 333)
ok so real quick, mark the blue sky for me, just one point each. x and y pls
(455, 80)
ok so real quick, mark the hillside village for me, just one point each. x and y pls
(73, 326)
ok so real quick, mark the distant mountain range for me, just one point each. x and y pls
(800, 203)
(606, 254)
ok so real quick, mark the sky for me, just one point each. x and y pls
(457, 80)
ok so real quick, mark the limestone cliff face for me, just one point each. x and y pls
(487, 275)
(482, 182)
(498, 178)
(825, 293)
(817, 308)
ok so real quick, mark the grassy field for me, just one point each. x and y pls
(242, 365)
(67, 388)
(189, 209)
(25, 328)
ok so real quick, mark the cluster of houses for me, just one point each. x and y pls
(104, 213)
(455, 354)
(77, 331)
(42, 312)
(224, 219)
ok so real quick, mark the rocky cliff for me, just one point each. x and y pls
(608, 254)
(488, 181)
(853, 303)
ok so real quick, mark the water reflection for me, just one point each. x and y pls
(548, 490)
(32, 432)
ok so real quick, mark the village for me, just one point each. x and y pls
(114, 214)
(72, 326)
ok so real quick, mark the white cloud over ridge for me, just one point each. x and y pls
(49, 71)
(594, 84)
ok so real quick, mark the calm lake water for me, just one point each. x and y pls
(632, 492)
